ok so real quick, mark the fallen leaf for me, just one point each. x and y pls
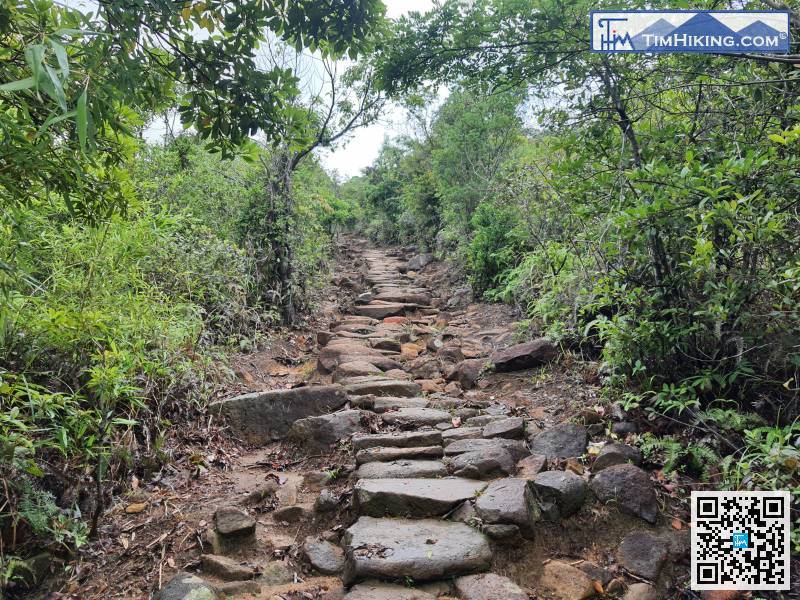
(677, 524)
(598, 587)
(136, 508)
(125, 542)
(456, 422)
(171, 562)
(134, 482)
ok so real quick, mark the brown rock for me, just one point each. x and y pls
(524, 356)
(530, 466)
(225, 568)
(565, 582)
(488, 586)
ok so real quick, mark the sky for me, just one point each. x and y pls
(349, 158)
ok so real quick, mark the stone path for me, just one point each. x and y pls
(440, 478)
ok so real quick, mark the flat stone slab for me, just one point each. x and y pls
(375, 590)
(322, 432)
(416, 416)
(265, 417)
(379, 454)
(413, 497)
(560, 441)
(488, 586)
(461, 433)
(407, 439)
(509, 501)
(515, 447)
(381, 310)
(511, 428)
(402, 468)
(422, 549)
(384, 387)
(382, 405)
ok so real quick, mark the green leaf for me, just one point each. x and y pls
(55, 119)
(15, 86)
(58, 89)
(61, 56)
(82, 120)
(34, 56)
(778, 138)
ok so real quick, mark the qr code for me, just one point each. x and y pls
(740, 541)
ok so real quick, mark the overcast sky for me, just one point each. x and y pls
(362, 148)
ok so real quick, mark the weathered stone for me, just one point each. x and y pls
(265, 417)
(344, 350)
(323, 556)
(327, 501)
(562, 581)
(405, 297)
(292, 514)
(389, 344)
(643, 554)
(402, 468)
(374, 590)
(355, 369)
(596, 572)
(616, 454)
(509, 501)
(501, 531)
(381, 310)
(461, 433)
(483, 420)
(422, 549)
(379, 454)
(234, 523)
(384, 387)
(511, 428)
(450, 354)
(629, 488)
(412, 497)
(643, 591)
(316, 480)
(424, 367)
(467, 372)
(524, 356)
(560, 441)
(185, 586)
(225, 568)
(419, 262)
(322, 432)
(560, 493)
(416, 416)
(484, 464)
(404, 439)
(530, 466)
(238, 588)
(488, 586)
(624, 428)
(276, 573)
(515, 447)
(382, 405)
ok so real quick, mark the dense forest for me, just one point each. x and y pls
(165, 208)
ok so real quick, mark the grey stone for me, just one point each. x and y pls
(327, 501)
(524, 356)
(238, 588)
(185, 586)
(276, 573)
(616, 454)
(501, 532)
(374, 590)
(380, 310)
(325, 557)
(407, 439)
(467, 372)
(384, 387)
(643, 554)
(382, 405)
(461, 433)
(642, 591)
(392, 454)
(420, 261)
(530, 466)
(355, 368)
(560, 493)
(483, 420)
(509, 501)
(412, 497)
(416, 416)
(629, 488)
(560, 441)
(562, 581)
(484, 464)
(233, 523)
(511, 428)
(265, 417)
(422, 549)
(402, 468)
(292, 514)
(488, 586)
(322, 432)
(515, 447)
(624, 428)
(225, 568)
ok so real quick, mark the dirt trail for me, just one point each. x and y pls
(420, 450)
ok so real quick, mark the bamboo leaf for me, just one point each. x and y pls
(82, 120)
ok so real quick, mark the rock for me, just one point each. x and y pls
(233, 523)
(265, 417)
(422, 549)
(465, 514)
(276, 573)
(509, 501)
(515, 447)
(185, 586)
(327, 501)
(419, 262)
(386, 344)
(424, 367)
(483, 420)
(643, 554)
(560, 441)
(530, 466)
(616, 454)
(402, 468)
(238, 588)
(560, 493)
(450, 354)
(316, 480)
(382, 405)
(624, 428)
(562, 581)
(374, 590)
(453, 388)
(339, 351)
(323, 556)
(355, 369)
(524, 356)
(488, 586)
(412, 497)
(643, 591)
(630, 488)
(371, 455)
(384, 387)
(484, 464)
(501, 532)
(415, 416)
(461, 433)
(364, 298)
(511, 429)
(225, 568)
(397, 374)
(380, 310)
(595, 572)
(405, 297)
(406, 439)
(467, 372)
(322, 432)
(291, 514)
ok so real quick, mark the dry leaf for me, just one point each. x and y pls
(171, 562)
(135, 482)
(677, 524)
(125, 542)
(136, 508)
(598, 587)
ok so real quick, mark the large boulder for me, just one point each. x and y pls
(185, 586)
(419, 262)
(560, 493)
(628, 487)
(515, 447)
(524, 356)
(322, 432)
(511, 428)
(509, 501)
(560, 441)
(643, 554)
(265, 417)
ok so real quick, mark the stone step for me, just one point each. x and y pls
(379, 454)
(413, 497)
(416, 416)
(516, 447)
(407, 439)
(402, 468)
(422, 550)
(382, 405)
(378, 386)
(381, 310)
